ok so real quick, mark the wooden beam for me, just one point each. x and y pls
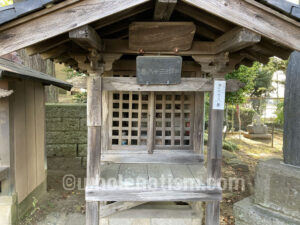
(121, 65)
(59, 22)
(121, 46)
(86, 37)
(37, 14)
(153, 194)
(161, 36)
(236, 39)
(254, 18)
(139, 9)
(164, 9)
(157, 157)
(47, 45)
(268, 49)
(110, 209)
(54, 52)
(203, 17)
(187, 84)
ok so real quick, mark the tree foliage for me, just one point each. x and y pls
(257, 80)
(5, 2)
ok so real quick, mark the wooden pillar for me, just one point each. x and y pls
(214, 154)
(291, 135)
(199, 121)
(94, 122)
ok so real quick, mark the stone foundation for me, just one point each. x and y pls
(277, 196)
(248, 213)
(156, 214)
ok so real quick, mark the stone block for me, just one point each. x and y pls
(83, 125)
(246, 212)
(65, 164)
(62, 124)
(277, 187)
(257, 129)
(62, 150)
(65, 110)
(66, 137)
(83, 162)
(82, 150)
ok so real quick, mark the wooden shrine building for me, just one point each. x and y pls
(23, 165)
(153, 126)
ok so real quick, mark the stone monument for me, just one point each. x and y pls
(257, 130)
(277, 184)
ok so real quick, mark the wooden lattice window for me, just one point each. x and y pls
(174, 113)
(129, 120)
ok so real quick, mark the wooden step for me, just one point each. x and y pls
(153, 182)
(153, 194)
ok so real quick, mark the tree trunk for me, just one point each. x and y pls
(239, 118)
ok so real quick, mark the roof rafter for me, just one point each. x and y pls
(164, 9)
(254, 18)
(60, 21)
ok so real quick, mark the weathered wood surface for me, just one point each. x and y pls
(94, 111)
(158, 36)
(30, 135)
(135, 194)
(6, 135)
(47, 45)
(110, 209)
(130, 84)
(151, 115)
(86, 37)
(41, 159)
(187, 85)
(121, 46)
(155, 158)
(204, 17)
(236, 39)
(254, 18)
(291, 134)
(214, 158)
(146, 182)
(50, 25)
(199, 122)
(164, 9)
(94, 122)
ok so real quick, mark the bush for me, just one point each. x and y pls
(246, 117)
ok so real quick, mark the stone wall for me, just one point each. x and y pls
(66, 136)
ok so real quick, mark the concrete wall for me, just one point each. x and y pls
(66, 136)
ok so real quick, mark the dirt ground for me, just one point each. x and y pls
(48, 211)
(250, 151)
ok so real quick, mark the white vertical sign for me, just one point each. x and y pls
(219, 94)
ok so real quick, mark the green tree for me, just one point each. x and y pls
(5, 2)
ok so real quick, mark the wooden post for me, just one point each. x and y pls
(199, 121)
(94, 122)
(214, 155)
(150, 139)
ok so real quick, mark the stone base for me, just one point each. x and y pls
(257, 136)
(156, 214)
(248, 213)
(276, 197)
